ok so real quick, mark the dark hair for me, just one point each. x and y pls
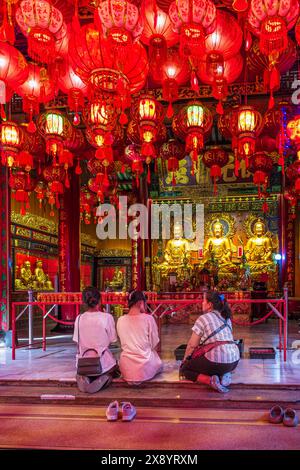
(219, 303)
(136, 296)
(91, 296)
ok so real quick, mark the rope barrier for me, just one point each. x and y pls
(67, 323)
(257, 322)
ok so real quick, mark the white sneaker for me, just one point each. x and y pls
(112, 411)
(128, 411)
(226, 379)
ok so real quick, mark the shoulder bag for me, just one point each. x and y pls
(88, 366)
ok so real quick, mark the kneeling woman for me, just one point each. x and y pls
(211, 354)
(138, 334)
(94, 331)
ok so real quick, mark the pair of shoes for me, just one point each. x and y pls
(216, 384)
(226, 379)
(288, 417)
(128, 411)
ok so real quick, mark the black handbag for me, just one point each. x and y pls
(88, 366)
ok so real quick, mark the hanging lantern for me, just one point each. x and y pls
(193, 121)
(43, 26)
(247, 123)
(40, 191)
(87, 202)
(99, 185)
(292, 197)
(272, 67)
(215, 158)
(271, 22)
(55, 128)
(172, 152)
(136, 161)
(21, 185)
(148, 113)
(54, 175)
(170, 73)
(121, 21)
(222, 44)
(157, 33)
(76, 90)
(194, 20)
(13, 72)
(11, 141)
(38, 88)
(98, 67)
(260, 164)
(220, 76)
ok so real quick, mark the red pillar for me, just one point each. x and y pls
(69, 243)
(5, 243)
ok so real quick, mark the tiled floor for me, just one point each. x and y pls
(57, 363)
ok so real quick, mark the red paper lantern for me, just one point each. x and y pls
(13, 71)
(98, 67)
(76, 90)
(99, 185)
(224, 40)
(121, 21)
(246, 124)
(193, 121)
(54, 175)
(21, 185)
(136, 161)
(193, 20)
(55, 128)
(11, 138)
(171, 73)
(260, 164)
(172, 152)
(38, 88)
(87, 202)
(215, 158)
(271, 21)
(44, 27)
(157, 33)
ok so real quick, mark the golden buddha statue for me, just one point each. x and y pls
(41, 280)
(259, 248)
(176, 256)
(26, 280)
(218, 247)
(117, 281)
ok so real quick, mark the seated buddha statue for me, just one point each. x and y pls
(218, 248)
(41, 280)
(259, 249)
(176, 256)
(26, 280)
(117, 281)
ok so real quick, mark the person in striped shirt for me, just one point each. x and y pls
(213, 329)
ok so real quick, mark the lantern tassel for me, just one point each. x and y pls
(236, 167)
(2, 112)
(220, 109)
(170, 110)
(173, 179)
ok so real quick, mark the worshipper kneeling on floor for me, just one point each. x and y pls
(211, 353)
(138, 334)
(94, 331)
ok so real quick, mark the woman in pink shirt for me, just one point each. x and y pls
(95, 331)
(138, 334)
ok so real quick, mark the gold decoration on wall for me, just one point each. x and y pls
(87, 239)
(114, 253)
(35, 222)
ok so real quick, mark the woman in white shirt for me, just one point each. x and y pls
(138, 334)
(95, 330)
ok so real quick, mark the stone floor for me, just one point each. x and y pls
(57, 363)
